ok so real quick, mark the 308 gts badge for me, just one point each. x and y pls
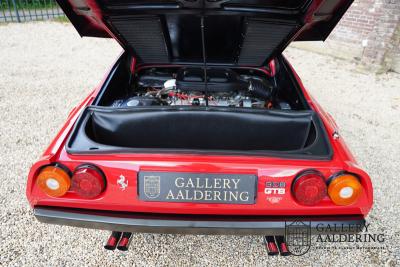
(275, 188)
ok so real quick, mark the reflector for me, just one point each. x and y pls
(88, 181)
(54, 181)
(344, 189)
(309, 188)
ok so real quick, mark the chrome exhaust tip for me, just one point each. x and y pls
(270, 245)
(113, 240)
(125, 241)
(282, 247)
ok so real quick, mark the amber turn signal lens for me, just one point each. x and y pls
(344, 189)
(53, 181)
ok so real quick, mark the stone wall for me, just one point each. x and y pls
(369, 33)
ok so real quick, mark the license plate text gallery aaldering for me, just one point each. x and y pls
(194, 187)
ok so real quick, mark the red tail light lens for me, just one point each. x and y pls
(88, 181)
(309, 188)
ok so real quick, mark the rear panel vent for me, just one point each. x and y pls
(262, 38)
(177, 39)
(145, 35)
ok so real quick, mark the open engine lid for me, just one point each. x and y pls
(232, 32)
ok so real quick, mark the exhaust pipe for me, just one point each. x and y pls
(113, 240)
(123, 244)
(283, 249)
(270, 245)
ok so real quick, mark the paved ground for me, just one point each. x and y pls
(46, 68)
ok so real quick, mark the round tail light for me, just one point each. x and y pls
(88, 181)
(54, 181)
(344, 189)
(309, 188)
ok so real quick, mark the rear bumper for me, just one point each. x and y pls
(192, 224)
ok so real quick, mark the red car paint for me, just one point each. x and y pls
(114, 198)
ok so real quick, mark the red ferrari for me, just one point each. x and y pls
(201, 126)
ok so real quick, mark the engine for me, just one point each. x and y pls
(189, 87)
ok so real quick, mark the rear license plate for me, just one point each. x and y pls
(196, 187)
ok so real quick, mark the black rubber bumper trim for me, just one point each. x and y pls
(187, 224)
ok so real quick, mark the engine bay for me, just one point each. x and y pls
(200, 109)
(196, 86)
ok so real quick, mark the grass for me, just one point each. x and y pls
(35, 9)
(61, 19)
(27, 4)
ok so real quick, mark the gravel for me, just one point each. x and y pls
(46, 69)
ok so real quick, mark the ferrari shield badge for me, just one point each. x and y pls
(298, 237)
(152, 186)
